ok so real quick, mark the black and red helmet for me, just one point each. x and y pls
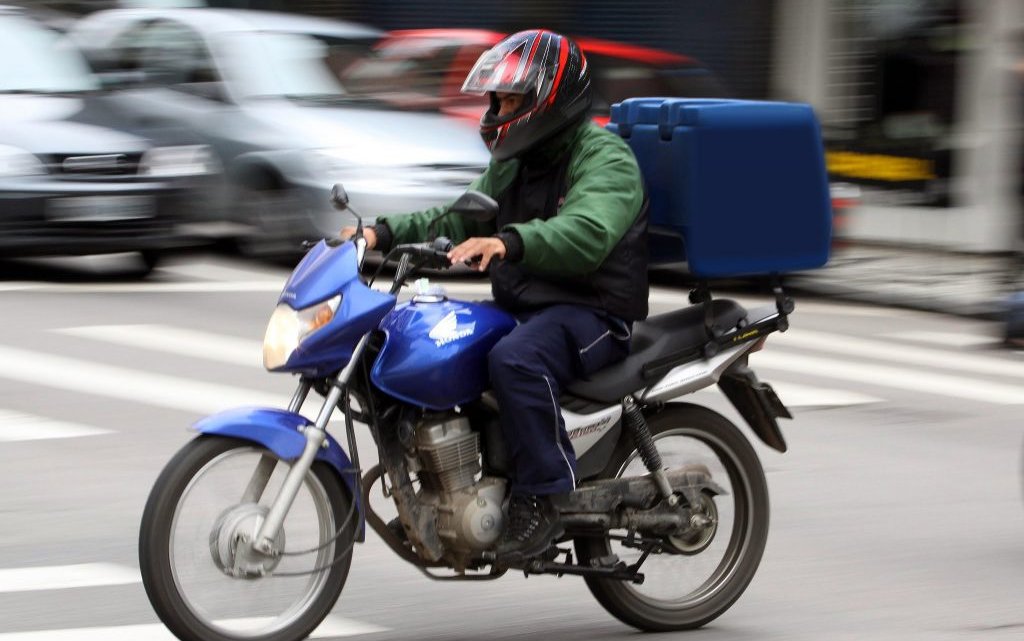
(549, 70)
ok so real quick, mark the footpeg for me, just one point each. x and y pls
(610, 561)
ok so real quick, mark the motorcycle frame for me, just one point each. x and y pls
(293, 438)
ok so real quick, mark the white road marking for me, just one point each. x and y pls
(224, 272)
(331, 627)
(946, 339)
(176, 340)
(15, 426)
(64, 577)
(127, 384)
(916, 380)
(233, 287)
(903, 354)
(795, 395)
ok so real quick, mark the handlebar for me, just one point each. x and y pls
(435, 253)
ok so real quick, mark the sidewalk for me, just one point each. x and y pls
(953, 283)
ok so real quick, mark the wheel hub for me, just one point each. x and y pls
(232, 538)
(700, 530)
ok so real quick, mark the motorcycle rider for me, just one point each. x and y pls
(567, 256)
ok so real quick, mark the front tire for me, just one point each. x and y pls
(681, 594)
(183, 526)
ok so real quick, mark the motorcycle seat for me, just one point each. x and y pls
(657, 337)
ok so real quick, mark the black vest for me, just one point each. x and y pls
(618, 286)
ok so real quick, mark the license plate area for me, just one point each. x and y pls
(99, 209)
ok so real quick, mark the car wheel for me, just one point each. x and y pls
(267, 211)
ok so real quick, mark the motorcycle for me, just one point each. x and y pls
(248, 532)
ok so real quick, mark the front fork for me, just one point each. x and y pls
(316, 436)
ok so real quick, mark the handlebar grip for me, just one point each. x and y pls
(443, 244)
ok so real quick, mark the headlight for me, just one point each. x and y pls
(15, 161)
(289, 327)
(184, 160)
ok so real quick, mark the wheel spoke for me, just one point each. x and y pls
(260, 478)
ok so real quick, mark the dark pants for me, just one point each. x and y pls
(548, 349)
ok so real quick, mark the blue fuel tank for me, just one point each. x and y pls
(435, 351)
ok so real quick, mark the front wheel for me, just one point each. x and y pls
(200, 571)
(689, 581)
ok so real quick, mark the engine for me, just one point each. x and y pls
(469, 511)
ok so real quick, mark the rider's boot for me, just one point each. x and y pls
(533, 525)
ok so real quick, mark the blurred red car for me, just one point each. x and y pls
(425, 69)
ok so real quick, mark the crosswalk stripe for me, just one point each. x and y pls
(233, 350)
(794, 395)
(916, 380)
(946, 339)
(127, 384)
(176, 340)
(15, 426)
(899, 353)
(232, 287)
(212, 346)
(63, 577)
(331, 627)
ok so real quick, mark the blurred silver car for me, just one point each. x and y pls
(262, 90)
(73, 179)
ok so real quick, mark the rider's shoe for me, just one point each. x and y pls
(533, 525)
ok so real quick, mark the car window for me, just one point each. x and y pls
(402, 68)
(616, 80)
(170, 54)
(32, 61)
(263, 64)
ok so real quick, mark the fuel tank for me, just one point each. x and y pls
(435, 351)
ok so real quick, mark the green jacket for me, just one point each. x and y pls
(604, 198)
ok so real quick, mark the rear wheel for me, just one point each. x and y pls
(698, 577)
(200, 571)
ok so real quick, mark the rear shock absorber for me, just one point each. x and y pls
(633, 418)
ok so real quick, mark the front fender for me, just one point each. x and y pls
(280, 431)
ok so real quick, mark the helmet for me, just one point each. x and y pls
(551, 73)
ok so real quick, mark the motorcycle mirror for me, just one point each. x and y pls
(475, 206)
(339, 197)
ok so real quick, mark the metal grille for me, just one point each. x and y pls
(93, 165)
(850, 85)
(456, 462)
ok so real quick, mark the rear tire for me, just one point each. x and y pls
(743, 479)
(158, 563)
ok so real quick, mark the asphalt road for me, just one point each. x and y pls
(898, 511)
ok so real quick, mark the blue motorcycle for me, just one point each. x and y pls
(249, 531)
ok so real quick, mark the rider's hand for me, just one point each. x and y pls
(368, 234)
(483, 248)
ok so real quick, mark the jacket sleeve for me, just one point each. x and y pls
(604, 199)
(411, 228)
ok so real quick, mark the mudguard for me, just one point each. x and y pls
(280, 431)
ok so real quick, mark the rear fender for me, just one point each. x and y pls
(756, 402)
(281, 432)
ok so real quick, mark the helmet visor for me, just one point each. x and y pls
(506, 68)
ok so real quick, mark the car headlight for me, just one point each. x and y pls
(288, 327)
(15, 161)
(182, 160)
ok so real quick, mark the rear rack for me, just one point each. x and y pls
(719, 338)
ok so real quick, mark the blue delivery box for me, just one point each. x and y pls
(736, 187)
